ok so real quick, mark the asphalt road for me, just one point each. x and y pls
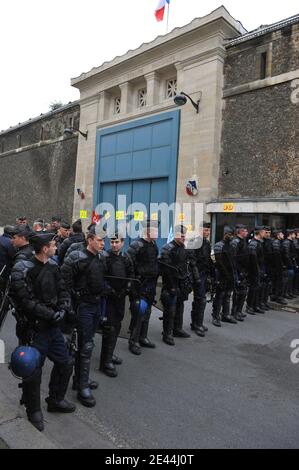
(236, 388)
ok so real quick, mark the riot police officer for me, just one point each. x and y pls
(267, 270)
(119, 275)
(256, 271)
(296, 280)
(20, 241)
(42, 303)
(289, 259)
(277, 267)
(241, 257)
(144, 255)
(83, 272)
(225, 279)
(176, 285)
(201, 256)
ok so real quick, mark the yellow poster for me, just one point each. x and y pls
(120, 215)
(181, 217)
(154, 216)
(139, 216)
(83, 215)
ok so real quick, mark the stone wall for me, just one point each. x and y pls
(38, 166)
(260, 135)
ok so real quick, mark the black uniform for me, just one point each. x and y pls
(41, 302)
(268, 270)
(83, 273)
(7, 253)
(202, 261)
(225, 282)
(74, 238)
(118, 266)
(176, 287)
(296, 280)
(144, 256)
(240, 253)
(277, 271)
(289, 260)
(23, 253)
(256, 275)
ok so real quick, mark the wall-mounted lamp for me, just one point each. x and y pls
(181, 100)
(72, 130)
(81, 193)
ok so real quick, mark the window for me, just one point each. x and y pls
(142, 98)
(117, 102)
(263, 70)
(171, 88)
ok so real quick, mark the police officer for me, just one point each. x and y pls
(225, 279)
(62, 234)
(277, 267)
(266, 277)
(296, 280)
(204, 264)
(289, 259)
(83, 272)
(144, 255)
(20, 241)
(76, 236)
(42, 303)
(256, 271)
(176, 285)
(7, 252)
(240, 253)
(120, 267)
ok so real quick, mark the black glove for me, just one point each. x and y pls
(71, 317)
(58, 317)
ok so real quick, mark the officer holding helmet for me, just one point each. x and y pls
(42, 303)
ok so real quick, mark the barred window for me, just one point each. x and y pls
(117, 102)
(142, 98)
(171, 88)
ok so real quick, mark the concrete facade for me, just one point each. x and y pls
(37, 167)
(193, 56)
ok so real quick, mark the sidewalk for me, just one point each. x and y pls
(292, 306)
(16, 432)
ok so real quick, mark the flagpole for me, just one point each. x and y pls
(167, 16)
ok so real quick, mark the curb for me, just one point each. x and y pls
(285, 308)
(16, 432)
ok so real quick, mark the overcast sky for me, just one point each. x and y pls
(45, 43)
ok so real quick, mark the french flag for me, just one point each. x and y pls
(159, 12)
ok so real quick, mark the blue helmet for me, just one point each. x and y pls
(24, 361)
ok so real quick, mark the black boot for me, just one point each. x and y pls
(84, 394)
(134, 346)
(178, 331)
(108, 344)
(31, 400)
(60, 377)
(116, 360)
(168, 319)
(143, 340)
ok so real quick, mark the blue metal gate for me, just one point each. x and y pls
(138, 160)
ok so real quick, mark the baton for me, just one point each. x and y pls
(123, 278)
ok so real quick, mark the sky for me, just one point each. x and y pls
(46, 43)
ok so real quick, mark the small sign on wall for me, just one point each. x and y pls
(229, 207)
(83, 215)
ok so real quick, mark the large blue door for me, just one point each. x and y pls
(138, 160)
